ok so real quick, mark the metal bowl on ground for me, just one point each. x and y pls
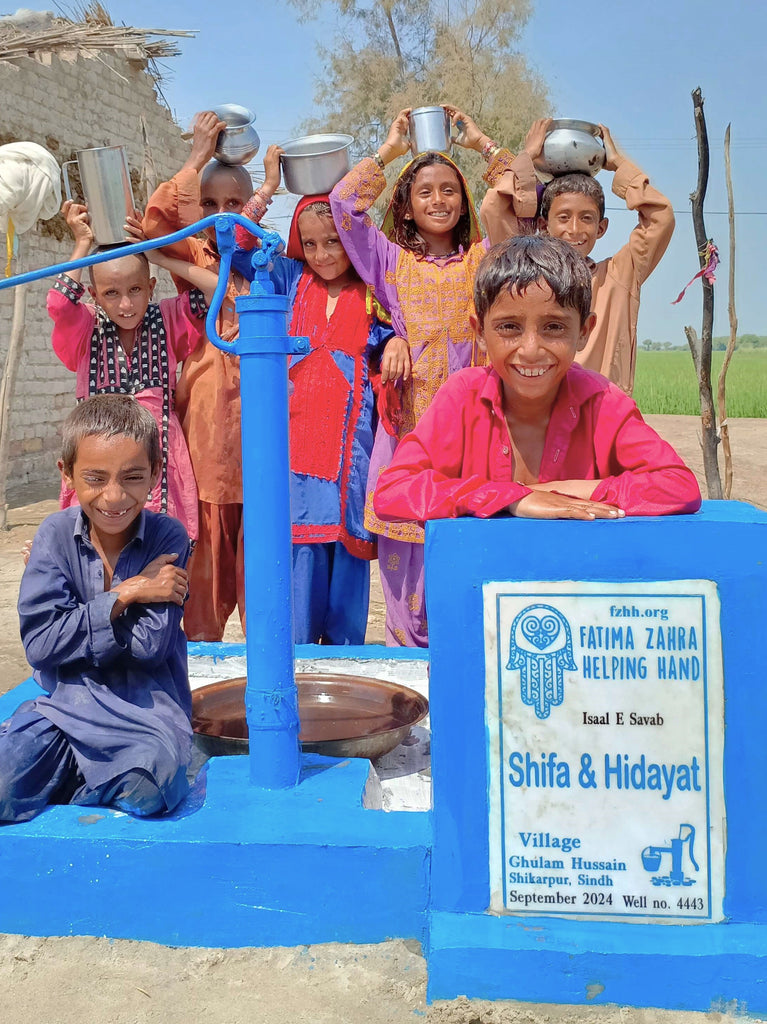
(341, 715)
(572, 147)
(238, 143)
(313, 164)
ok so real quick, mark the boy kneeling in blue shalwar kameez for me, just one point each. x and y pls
(100, 608)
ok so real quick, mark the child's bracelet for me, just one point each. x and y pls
(378, 159)
(266, 200)
(489, 150)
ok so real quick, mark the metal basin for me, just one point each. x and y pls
(572, 147)
(341, 715)
(312, 165)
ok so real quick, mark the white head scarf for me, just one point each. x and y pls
(30, 185)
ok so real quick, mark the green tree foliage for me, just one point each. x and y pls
(391, 54)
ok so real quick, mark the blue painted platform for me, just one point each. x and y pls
(478, 954)
(234, 866)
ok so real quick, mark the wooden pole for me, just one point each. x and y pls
(7, 388)
(709, 438)
(724, 429)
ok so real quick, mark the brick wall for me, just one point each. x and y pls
(67, 105)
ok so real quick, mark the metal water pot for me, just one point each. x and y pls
(107, 190)
(572, 147)
(239, 142)
(312, 165)
(429, 130)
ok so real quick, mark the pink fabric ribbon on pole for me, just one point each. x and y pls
(711, 256)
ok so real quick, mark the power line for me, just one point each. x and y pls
(708, 213)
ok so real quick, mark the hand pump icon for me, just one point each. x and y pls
(652, 857)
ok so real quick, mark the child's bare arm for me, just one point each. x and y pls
(160, 582)
(79, 223)
(397, 142)
(395, 361)
(207, 127)
(469, 135)
(199, 277)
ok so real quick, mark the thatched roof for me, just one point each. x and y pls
(90, 32)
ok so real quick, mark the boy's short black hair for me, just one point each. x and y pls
(109, 416)
(521, 261)
(583, 184)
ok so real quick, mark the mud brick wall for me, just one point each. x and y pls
(68, 105)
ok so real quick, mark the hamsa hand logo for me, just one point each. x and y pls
(541, 648)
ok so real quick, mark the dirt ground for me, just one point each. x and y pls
(101, 981)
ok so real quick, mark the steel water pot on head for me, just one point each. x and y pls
(429, 130)
(107, 190)
(239, 142)
(572, 147)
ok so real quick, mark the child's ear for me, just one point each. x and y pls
(476, 326)
(152, 283)
(602, 226)
(92, 293)
(65, 476)
(543, 226)
(586, 328)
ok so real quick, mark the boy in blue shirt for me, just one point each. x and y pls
(100, 608)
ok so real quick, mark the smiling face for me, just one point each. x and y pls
(436, 203)
(112, 478)
(323, 251)
(575, 219)
(531, 342)
(123, 289)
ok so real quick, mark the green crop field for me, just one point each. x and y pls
(666, 383)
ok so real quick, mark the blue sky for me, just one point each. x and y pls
(631, 66)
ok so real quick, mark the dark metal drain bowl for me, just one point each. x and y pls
(341, 715)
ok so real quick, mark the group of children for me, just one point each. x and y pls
(440, 381)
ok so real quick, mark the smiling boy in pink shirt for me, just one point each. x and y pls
(531, 433)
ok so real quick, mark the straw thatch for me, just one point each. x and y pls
(89, 32)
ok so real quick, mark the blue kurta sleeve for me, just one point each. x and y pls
(147, 632)
(57, 625)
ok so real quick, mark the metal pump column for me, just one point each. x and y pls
(263, 346)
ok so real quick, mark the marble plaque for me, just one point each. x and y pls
(605, 729)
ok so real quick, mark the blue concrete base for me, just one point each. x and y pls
(675, 967)
(234, 866)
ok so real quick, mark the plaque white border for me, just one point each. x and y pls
(549, 812)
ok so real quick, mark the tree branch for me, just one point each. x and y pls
(709, 438)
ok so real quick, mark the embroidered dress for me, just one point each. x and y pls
(430, 301)
(87, 342)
